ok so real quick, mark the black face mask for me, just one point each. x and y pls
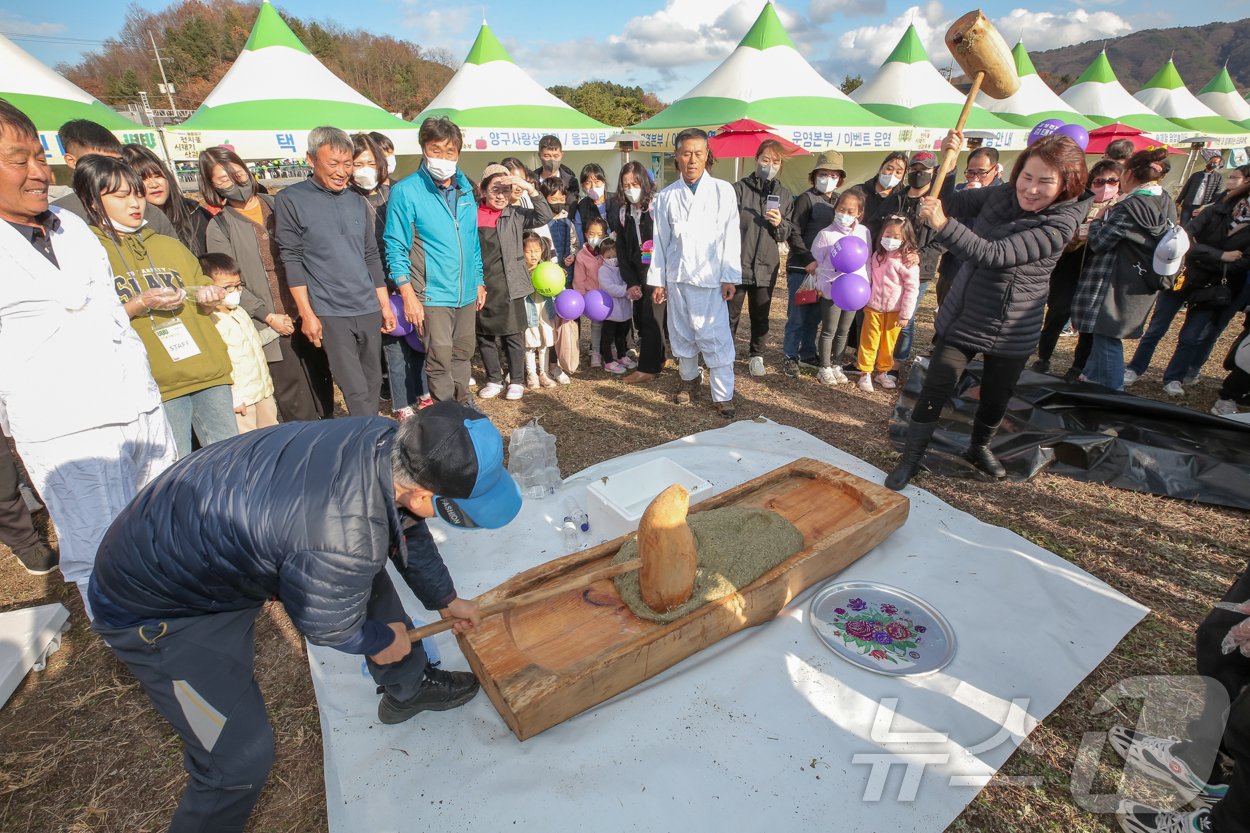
(237, 192)
(919, 179)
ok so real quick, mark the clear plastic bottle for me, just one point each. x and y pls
(574, 512)
(572, 538)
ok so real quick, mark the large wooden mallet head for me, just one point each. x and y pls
(666, 547)
(976, 45)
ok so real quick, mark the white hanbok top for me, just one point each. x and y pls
(697, 237)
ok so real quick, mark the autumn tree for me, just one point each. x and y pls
(610, 103)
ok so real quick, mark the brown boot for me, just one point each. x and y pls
(726, 409)
(686, 390)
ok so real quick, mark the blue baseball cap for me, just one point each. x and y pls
(457, 453)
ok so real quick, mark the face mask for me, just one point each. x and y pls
(826, 184)
(595, 192)
(891, 244)
(844, 221)
(237, 192)
(633, 195)
(233, 298)
(441, 170)
(611, 261)
(767, 172)
(551, 165)
(366, 177)
(888, 180)
(390, 165)
(593, 242)
(919, 179)
(974, 184)
(1103, 193)
(126, 229)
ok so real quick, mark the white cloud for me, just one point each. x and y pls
(687, 32)
(1047, 30)
(13, 25)
(822, 11)
(449, 28)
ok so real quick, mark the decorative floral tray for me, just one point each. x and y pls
(881, 628)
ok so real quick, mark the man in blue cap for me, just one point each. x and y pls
(308, 513)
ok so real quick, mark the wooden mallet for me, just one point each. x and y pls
(985, 58)
(667, 559)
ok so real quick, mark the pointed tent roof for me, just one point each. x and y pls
(1034, 101)
(490, 94)
(1100, 97)
(1167, 95)
(50, 100)
(1220, 94)
(909, 89)
(276, 86)
(746, 85)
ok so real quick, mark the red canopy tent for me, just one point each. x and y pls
(1103, 136)
(743, 138)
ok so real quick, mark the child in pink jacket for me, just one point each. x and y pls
(891, 304)
(586, 268)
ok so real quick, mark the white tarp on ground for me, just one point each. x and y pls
(765, 724)
(27, 636)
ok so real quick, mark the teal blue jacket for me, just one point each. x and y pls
(432, 245)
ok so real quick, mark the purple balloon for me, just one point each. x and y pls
(1042, 129)
(598, 305)
(570, 304)
(414, 340)
(1076, 133)
(402, 325)
(850, 292)
(848, 254)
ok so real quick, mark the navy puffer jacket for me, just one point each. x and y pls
(303, 512)
(998, 298)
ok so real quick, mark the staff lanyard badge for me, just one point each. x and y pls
(176, 338)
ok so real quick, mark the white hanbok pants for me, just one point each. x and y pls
(698, 322)
(87, 478)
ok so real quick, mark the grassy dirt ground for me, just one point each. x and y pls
(82, 750)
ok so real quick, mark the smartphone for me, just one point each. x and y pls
(772, 203)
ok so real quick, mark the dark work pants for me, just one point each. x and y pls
(514, 346)
(759, 300)
(1080, 355)
(998, 380)
(650, 338)
(198, 671)
(353, 344)
(16, 530)
(301, 381)
(449, 343)
(1063, 283)
(613, 340)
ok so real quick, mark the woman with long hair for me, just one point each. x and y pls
(1009, 240)
(160, 189)
(634, 195)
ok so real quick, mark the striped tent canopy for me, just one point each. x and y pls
(1034, 101)
(1167, 95)
(1220, 94)
(1100, 97)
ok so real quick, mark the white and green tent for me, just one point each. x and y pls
(1220, 94)
(1034, 101)
(276, 92)
(1100, 97)
(501, 108)
(908, 89)
(766, 79)
(50, 101)
(1167, 95)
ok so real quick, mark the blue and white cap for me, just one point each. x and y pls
(457, 453)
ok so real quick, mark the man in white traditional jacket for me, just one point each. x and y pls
(696, 267)
(76, 390)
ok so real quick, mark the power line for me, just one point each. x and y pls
(52, 39)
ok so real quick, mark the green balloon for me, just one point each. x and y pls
(548, 279)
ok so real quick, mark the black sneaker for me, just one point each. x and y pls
(39, 560)
(790, 367)
(440, 690)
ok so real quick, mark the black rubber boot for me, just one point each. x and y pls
(979, 453)
(918, 436)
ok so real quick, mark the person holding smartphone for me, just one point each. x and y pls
(764, 211)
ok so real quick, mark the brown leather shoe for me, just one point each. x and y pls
(726, 409)
(685, 390)
(638, 377)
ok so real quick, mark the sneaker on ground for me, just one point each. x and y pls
(865, 382)
(38, 560)
(757, 366)
(514, 393)
(790, 367)
(560, 377)
(839, 378)
(825, 376)
(628, 361)
(424, 402)
(1067, 331)
(596, 360)
(1152, 756)
(1174, 389)
(632, 355)
(440, 690)
(546, 381)
(1142, 818)
(616, 367)
(472, 382)
(726, 409)
(1040, 366)
(1224, 407)
(1191, 378)
(403, 414)
(490, 390)
(885, 381)
(531, 381)
(1130, 376)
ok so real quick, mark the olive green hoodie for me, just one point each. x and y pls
(146, 260)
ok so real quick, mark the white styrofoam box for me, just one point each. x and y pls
(27, 636)
(615, 503)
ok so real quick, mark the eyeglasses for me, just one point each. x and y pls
(977, 173)
(1110, 180)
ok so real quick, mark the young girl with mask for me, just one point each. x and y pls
(596, 203)
(540, 317)
(251, 386)
(614, 336)
(892, 302)
(835, 322)
(586, 277)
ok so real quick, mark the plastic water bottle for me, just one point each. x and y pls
(572, 539)
(574, 512)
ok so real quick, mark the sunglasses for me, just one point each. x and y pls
(1111, 180)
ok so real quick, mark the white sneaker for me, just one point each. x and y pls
(559, 376)
(757, 366)
(490, 390)
(865, 382)
(1152, 756)
(839, 378)
(886, 381)
(1135, 817)
(1130, 377)
(472, 382)
(596, 360)
(1173, 389)
(514, 392)
(1224, 407)
(825, 376)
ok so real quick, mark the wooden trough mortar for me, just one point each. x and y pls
(543, 663)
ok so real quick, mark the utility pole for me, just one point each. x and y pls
(169, 89)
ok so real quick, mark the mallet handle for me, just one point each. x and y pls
(542, 594)
(950, 157)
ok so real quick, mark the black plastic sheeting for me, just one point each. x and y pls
(1091, 433)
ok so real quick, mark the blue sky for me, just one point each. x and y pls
(664, 45)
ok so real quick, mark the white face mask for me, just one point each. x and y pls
(391, 163)
(827, 184)
(126, 229)
(595, 192)
(233, 298)
(633, 194)
(593, 242)
(611, 261)
(844, 221)
(974, 184)
(891, 244)
(441, 169)
(888, 180)
(366, 177)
